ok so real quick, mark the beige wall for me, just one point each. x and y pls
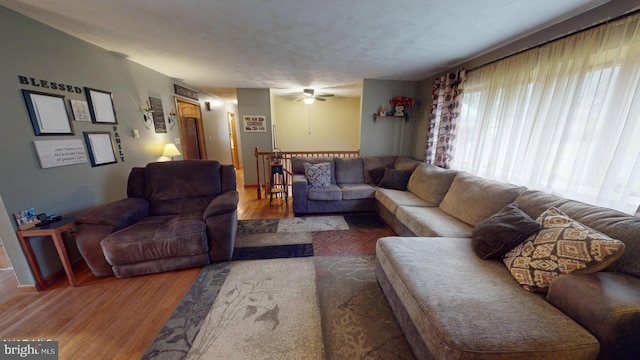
(329, 125)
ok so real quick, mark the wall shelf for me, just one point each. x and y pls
(405, 117)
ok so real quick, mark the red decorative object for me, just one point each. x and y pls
(402, 101)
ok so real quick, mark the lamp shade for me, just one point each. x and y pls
(308, 100)
(170, 150)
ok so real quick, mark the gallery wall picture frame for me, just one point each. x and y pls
(48, 112)
(101, 106)
(101, 148)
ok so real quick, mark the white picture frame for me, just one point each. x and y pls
(101, 106)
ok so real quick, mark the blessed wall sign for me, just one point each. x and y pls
(46, 84)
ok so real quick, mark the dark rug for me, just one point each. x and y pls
(355, 319)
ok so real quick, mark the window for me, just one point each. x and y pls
(563, 118)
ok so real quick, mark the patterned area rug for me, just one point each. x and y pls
(325, 304)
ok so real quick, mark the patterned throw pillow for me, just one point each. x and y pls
(318, 175)
(562, 246)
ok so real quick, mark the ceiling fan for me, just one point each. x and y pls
(309, 96)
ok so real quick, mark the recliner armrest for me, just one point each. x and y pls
(222, 204)
(118, 214)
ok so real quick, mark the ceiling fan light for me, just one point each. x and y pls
(308, 100)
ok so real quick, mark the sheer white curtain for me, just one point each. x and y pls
(563, 118)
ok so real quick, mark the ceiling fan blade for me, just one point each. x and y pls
(325, 95)
(319, 98)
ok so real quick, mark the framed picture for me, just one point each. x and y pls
(255, 123)
(101, 149)
(101, 106)
(48, 113)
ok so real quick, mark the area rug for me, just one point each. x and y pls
(310, 307)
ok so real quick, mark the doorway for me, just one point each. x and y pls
(233, 140)
(191, 130)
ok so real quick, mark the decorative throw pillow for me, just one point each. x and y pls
(318, 175)
(395, 179)
(562, 246)
(376, 175)
(502, 231)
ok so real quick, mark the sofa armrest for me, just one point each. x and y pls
(118, 214)
(224, 203)
(605, 303)
(299, 188)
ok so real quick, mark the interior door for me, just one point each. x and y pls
(191, 130)
(189, 138)
(233, 140)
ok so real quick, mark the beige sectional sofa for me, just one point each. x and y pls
(451, 304)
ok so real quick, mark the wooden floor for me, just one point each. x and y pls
(109, 318)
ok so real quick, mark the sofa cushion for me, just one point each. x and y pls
(468, 308)
(562, 246)
(332, 192)
(395, 179)
(349, 170)
(432, 221)
(357, 191)
(473, 199)
(405, 163)
(157, 237)
(391, 199)
(502, 232)
(430, 182)
(318, 175)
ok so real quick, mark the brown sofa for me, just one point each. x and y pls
(177, 214)
(452, 304)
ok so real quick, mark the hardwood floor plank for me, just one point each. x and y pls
(110, 318)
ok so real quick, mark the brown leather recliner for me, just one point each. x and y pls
(177, 214)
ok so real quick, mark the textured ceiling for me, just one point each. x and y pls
(289, 45)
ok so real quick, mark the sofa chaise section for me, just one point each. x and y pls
(458, 306)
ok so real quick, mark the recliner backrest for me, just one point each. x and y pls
(175, 187)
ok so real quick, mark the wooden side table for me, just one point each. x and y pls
(55, 231)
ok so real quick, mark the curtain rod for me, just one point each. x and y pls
(619, 17)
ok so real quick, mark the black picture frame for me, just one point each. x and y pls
(101, 148)
(101, 106)
(48, 113)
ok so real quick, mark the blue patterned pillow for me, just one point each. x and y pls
(318, 175)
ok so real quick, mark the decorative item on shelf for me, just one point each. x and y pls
(170, 150)
(400, 103)
(382, 111)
